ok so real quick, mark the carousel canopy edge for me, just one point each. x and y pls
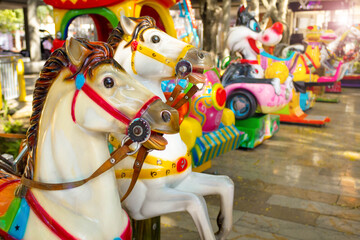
(82, 4)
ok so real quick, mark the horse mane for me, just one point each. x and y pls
(116, 35)
(99, 53)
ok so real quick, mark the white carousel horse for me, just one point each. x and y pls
(167, 183)
(327, 52)
(82, 95)
(247, 32)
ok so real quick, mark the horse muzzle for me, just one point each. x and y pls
(199, 61)
(162, 118)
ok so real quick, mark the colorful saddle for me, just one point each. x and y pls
(14, 211)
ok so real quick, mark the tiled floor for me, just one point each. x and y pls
(304, 183)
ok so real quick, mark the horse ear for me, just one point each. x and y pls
(241, 9)
(76, 51)
(127, 25)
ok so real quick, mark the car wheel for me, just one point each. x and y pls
(242, 103)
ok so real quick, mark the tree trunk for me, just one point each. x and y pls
(282, 11)
(243, 3)
(254, 7)
(32, 31)
(208, 15)
(225, 27)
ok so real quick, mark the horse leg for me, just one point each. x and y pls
(167, 200)
(205, 184)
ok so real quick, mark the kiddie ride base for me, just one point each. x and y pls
(321, 95)
(351, 81)
(208, 129)
(292, 113)
(257, 129)
(213, 144)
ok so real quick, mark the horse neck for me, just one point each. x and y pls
(123, 56)
(66, 152)
(154, 85)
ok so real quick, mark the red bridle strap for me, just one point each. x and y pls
(93, 95)
(105, 105)
(146, 106)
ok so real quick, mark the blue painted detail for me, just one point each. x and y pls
(183, 83)
(212, 138)
(305, 101)
(254, 26)
(111, 147)
(64, 35)
(265, 54)
(195, 157)
(223, 135)
(199, 150)
(244, 110)
(169, 85)
(79, 81)
(18, 226)
(236, 132)
(164, 85)
(117, 238)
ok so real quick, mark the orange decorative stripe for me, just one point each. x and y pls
(7, 190)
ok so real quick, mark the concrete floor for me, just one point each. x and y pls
(304, 183)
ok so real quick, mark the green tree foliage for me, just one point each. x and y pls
(43, 12)
(11, 20)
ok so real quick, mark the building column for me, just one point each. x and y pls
(32, 30)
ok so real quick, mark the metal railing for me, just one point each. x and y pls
(12, 82)
(9, 77)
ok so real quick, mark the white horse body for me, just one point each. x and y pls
(67, 151)
(353, 32)
(63, 158)
(182, 191)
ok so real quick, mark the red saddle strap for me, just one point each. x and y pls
(50, 222)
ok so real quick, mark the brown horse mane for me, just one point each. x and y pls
(116, 36)
(99, 53)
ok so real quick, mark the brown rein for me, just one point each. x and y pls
(12, 135)
(116, 156)
(175, 93)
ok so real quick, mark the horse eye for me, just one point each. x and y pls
(155, 39)
(108, 82)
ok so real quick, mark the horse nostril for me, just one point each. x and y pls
(166, 115)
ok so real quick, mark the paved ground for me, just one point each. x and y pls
(23, 109)
(304, 183)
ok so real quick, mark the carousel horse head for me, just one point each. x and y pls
(149, 53)
(247, 31)
(102, 96)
